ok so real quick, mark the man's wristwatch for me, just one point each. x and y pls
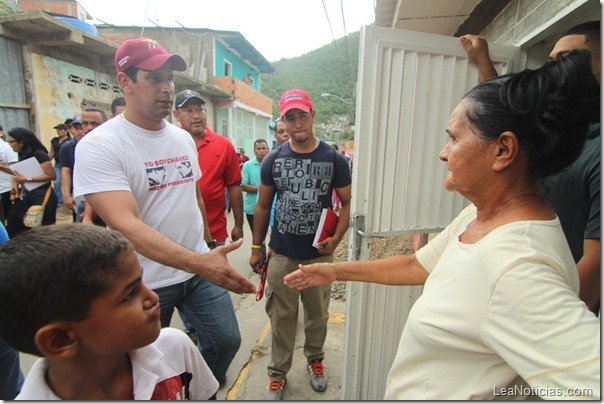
(211, 243)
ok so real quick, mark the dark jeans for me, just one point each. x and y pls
(250, 220)
(210, 311)
(6, 204)
(11, 377)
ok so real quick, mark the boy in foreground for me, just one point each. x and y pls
(73, 294)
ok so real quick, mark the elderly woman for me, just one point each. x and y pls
(500, 285)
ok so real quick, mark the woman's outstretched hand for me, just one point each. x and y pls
(307, 276)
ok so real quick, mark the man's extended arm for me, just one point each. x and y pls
(236, 201)
(329, 245)
(66, 187)
(589, 273)
(119, 211)
(477, 49)
(207, 235)
(262, 213)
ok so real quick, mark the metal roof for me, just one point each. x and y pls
(245, 50)
(449, 17)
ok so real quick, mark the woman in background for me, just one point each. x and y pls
(27, 145)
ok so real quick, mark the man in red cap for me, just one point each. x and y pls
(303, 172)
(139, 173)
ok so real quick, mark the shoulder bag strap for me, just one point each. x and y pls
(47, 195)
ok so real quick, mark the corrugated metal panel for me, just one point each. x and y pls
(13, 112)
(408, 84)
(408, 90)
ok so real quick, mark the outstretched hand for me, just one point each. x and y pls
(220, 272)
(307, 276)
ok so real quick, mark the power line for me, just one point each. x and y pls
(329, 23)
(346, 44)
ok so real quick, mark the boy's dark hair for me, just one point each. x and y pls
(53, 273)
(259, 141)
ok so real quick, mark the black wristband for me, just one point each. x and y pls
(211, 243)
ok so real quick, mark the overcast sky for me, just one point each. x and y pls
(276, 28)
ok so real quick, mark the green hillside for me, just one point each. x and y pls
(330, 69)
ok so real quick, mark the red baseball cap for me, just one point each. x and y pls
(146, 54)
(294, 98)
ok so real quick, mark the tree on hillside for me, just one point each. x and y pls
(329, 69)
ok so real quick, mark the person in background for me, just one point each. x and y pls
(242, 157)
(63, 136)
(250, 180)
(91, 119)
(500, 298)
(282, 136)
(68, 126)
(117, 106)
(575, 192)
(97, 329)
(140, 175)
(27, 145)
(11, 376)
(219, 166)
(303, 172)
(281, 133)
(7, 157)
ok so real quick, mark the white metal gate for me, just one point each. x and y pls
(408, 84)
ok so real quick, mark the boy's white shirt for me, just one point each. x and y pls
(172, 354)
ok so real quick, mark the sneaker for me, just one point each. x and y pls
(275, 390)
(318, 378)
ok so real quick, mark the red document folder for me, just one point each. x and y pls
(327, 226)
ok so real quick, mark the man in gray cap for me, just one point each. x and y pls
(139, 173)
(219, 164)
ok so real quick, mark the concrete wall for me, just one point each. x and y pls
(7, 7)
(514, 25)
(535, 25)
(195, 49)
(62, 90)
(69, 8)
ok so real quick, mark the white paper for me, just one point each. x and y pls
(29, 168)
(315, 242)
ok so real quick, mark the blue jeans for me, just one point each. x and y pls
(210, 311)
(11, 377)
(58, 189)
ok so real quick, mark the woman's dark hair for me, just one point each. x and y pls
(30, 143)
(53, 273)
(549, 110)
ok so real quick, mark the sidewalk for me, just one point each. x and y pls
(247, 378)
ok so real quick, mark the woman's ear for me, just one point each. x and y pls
(507, 148)
(56, 341)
